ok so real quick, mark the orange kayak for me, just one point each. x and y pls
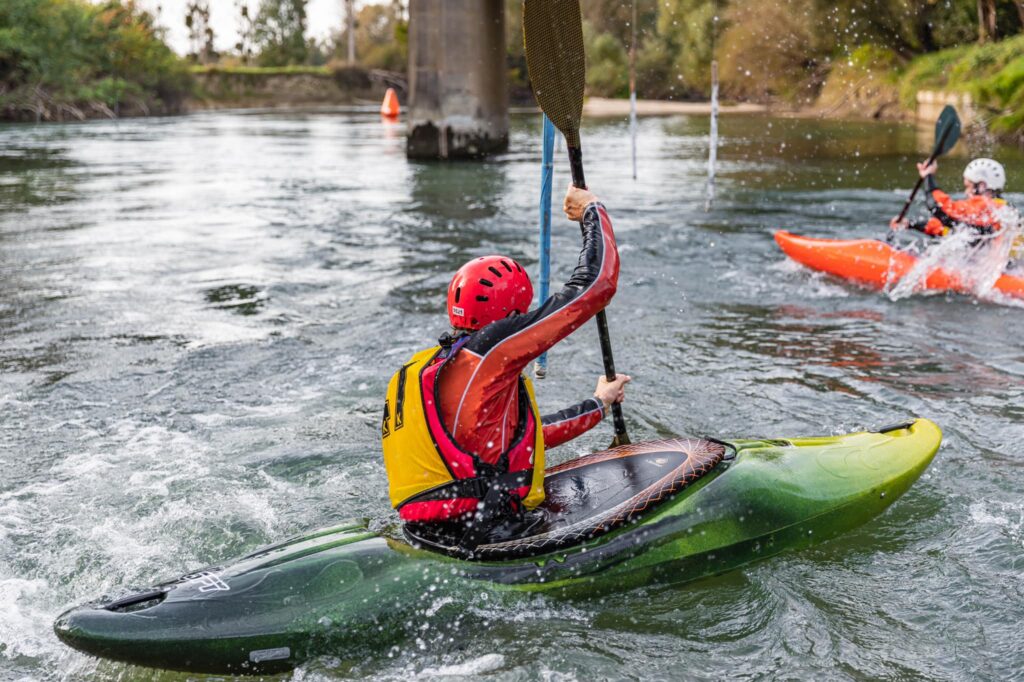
(876, 264)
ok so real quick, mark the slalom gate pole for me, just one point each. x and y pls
(713, 137)
(540, 368)
(632, 87)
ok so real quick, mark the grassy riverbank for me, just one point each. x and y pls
(877, 83)
(993, 74)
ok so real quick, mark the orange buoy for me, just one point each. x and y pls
(389, 107)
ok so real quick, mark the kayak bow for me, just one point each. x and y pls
(877, 265)
(347, 591)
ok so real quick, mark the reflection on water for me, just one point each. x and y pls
(32, 175)
(238, 298)
(198, 317)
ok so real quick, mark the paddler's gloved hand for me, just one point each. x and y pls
(576, 201)
(926, 169)
(896, 224)
(609, 392)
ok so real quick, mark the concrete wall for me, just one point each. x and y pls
(930, 104)
(458, 94)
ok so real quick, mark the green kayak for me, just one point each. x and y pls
(658, 512)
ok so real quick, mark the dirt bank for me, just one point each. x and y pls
(601, 107)
(248, 87)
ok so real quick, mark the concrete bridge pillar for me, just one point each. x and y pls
(458, 96)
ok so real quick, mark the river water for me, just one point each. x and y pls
(198, 317)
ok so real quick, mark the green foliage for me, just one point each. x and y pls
(955, 22)
(874, 57)
(783, 49)
(607, 65)
(659, 65)
(992, 73)
(614, 17)
(864, 83)
(773, 51)
(607, 34)
(655, 76)
(264, 70)
(279, 32)
(518, 74)
(692, 28)
(896, 23)
(110, 55)
(111, 90)
(387, 56)
(1011, 124)
(382, 37)
(986, 70)
(1004, 87)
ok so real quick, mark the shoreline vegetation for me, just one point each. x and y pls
(70, 60)
(113, 60)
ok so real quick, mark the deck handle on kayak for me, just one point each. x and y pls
(136, 600)
(899, 426)
(730, 450)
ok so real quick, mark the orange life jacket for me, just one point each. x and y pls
(978, 211)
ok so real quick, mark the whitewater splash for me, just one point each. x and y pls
(977, 259)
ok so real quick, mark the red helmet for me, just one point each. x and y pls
(488, 289)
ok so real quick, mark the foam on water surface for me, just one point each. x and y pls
(978, 260)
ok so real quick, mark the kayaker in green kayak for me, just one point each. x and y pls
(982, 210)
(463, 439)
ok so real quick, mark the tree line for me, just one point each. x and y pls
(74, 59)
(273, 33)
(768, 49)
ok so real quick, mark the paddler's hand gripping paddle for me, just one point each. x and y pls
(947, 132)
(553, 41)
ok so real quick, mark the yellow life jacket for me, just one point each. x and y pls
(430, 478)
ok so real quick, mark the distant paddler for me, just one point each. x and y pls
(983, 210)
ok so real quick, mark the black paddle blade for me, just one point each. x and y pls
(553, 41)
(947, 131)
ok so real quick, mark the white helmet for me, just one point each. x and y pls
(988, 171)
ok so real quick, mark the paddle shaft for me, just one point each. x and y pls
(621, 437)
(920, 181)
